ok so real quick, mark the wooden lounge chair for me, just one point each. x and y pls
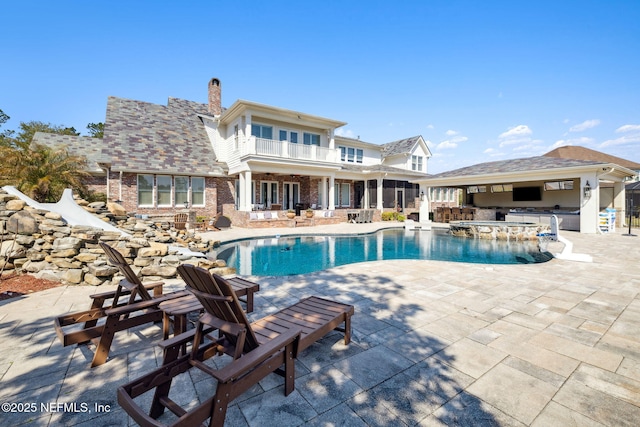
(180, 221)
(131, 305)
(257, 349)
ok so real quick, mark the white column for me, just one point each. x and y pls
(380, 205)
(366, 194)
(589, 206)
(619, 203)
(425, 204)
(247, 126)
(247, 189)
(330, 137)
(241, 206)
(332, 192)
(323, 193)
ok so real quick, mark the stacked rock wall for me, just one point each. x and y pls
(41, 243)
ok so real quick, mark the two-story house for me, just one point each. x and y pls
(157, 159)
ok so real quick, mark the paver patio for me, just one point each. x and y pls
(434, 343)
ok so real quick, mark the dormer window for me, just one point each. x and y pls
(416, 163)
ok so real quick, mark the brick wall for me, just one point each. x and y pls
(128, 194)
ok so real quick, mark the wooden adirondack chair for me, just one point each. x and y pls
(257, 349)
(180, 221)
(101, 321)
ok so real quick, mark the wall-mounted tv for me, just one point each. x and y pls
(527, 194)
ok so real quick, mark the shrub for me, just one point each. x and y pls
(392, 216)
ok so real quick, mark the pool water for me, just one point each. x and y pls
(281, 256)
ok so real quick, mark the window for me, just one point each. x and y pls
(342, 194)
(311, 139)
(197, 191)
(285, 135)
(164, 190)
(350, 154)
(476, 189)
(261, 131)
(558, 185)
(145, 190)
(181, 184)
(416, 163)
(501, 188)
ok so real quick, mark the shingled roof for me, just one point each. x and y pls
(141, 136)
(401, 146)
(515, 165)
(86, 146)
(583, 153)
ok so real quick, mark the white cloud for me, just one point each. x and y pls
(628, 128)
(516, 135)
(430, 126)
(566, 121)
(446, 145)
(627, 139)
(516, 131)
(347, 133)
(587, 124)
(453, 141)
(631, 136)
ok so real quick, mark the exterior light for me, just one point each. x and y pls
(587, 190)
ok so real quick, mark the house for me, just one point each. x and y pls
(157, 159)
(575, 190)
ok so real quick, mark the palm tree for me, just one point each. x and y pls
(42, 172)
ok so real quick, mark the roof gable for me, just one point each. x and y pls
(86, 146)
(140, 136)
(403, 146)
(583, 153)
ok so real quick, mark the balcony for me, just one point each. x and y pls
(287, 150)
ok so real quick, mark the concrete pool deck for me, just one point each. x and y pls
(434, 343)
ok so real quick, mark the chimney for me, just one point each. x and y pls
(215, 99)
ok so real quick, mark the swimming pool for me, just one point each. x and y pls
(282, 256)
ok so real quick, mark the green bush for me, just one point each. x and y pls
(392, 216)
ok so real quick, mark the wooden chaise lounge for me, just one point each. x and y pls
(131, 305)
(257, 349)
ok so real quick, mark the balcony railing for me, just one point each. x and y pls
(287, 150)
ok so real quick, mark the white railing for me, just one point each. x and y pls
(287, 150)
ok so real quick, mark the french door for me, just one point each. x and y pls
(290, 195)
(268, 193)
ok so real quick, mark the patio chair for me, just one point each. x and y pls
(180, 221)
(257, 349)
(138, 308)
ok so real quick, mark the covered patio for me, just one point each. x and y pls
(577, 191)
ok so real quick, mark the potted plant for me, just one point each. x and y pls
(309, 213)
(291, 214)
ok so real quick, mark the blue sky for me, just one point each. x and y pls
(480, 80)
